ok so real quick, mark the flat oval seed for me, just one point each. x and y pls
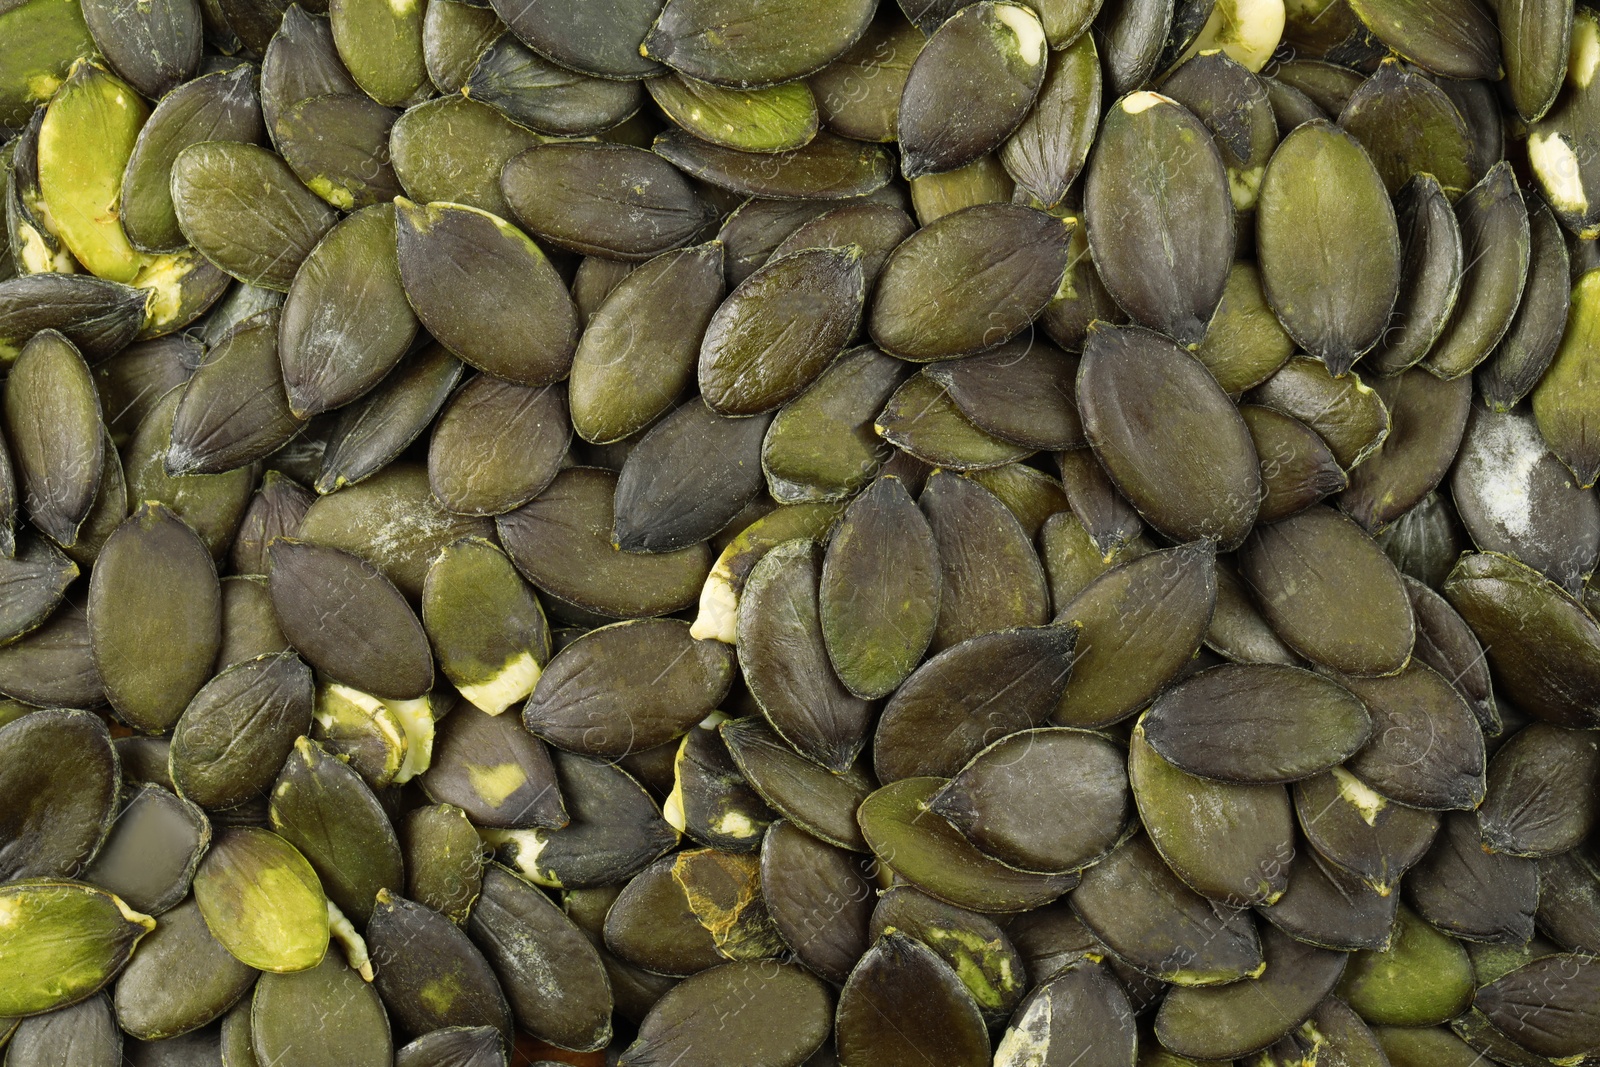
(818, 897)
(456, 1046)
(1534, 804)
(429, 974)
(779, 329)
(1297, 468)
(497, 445)
(998, 46)
(1330, 909)
(1559, 144)
(154, 577)
(453, 149)
(221, 106)
(98, 316)
(1423, 977)
(934, 856)
(1471, 893)
(1023, 392)
(1005, 259)
(1361, 832)
(495, 771)
(346, 322)
(932, 1016)
(1142, 622)
(1542, 646)
(347, 619)
(561, 541)
(785, 660)
(623, 377)
(1159, 215)
(1455, 38)
(1050, 147)
(1547, 1006)
(603, 199)
(54, 664)
(991, 576)
(880, 577)
(818, 801)
(1410, 127)
(353, 1028)
(486, 626)
(1427, 749)
(922, 421)
(339, 146)
(59, 779)
(1347, 414)
(444, 860)
(84, 1035)
(687, 479)
(1328, 244)
(300, 62)
(779, 1015)
(239, 728)
(1330, 592)
(1132, 39)
(627, 687)
(743, 46)
(1430, 278)
(1139, 909)
(1183, 491)
(51, 411)
(381, 45)
(261, 240)
(858, 95)
(1229, 842)
(1256, 722)
(1080, 1015)
(62, 942)
(827, 167)
(711, 801)
(35, 580)
(974, 945)
(531, 90)
(262, 900)
(1495, 242)
(151, 854)
(551, 974)
(1075, 777)
(821, 445)
(486, 291)
(372, 431)
(180, 979)
(1537, 330)
(1427, 417)
(454, 37)
(1565, 420)
(234, 410)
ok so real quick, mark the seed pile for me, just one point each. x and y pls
(718, 533)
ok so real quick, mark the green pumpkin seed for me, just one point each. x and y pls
(1005, 259)
(603, 199)
(1547, 1006)
(880, 565)
(858, 94)
(338, 145)
(131, 382)
(35, 579)
(615, 830)
(1542, 646)
(1408, 1046)
(775, 119)
(1538, 39)
(430, 975)
(1331, 273)
(1495, 241)
(381, 45)
(49, 35)
(1563, 416)
(1426, 540)
(371, 432)
(1333, 1030)
(551, 974)
(601, 39)
(519, 291)
(384, 741)
(1427, 418)
(61, 943)
(496, 445)
(239, 729)
(180, 979)
(1233, 1020)
(985, 181)
(781, 1015)
(1109, 521)
(263, 241)
(821, 445)
(59, 780)
(1080, 1014)
(1081, 298)
(1423, 977)
(1427, 748)
(1297, 468)
(1330, 592)
(710, 800)
(349, 620)
(97, 316)
(1327, 85)
(262, 901)
(754, 229)
(817, 800)
(818, 897)
(1558, 144)
(739, 45)
(779, 329)
(561, 542)
(150, 856)
(300, 62)
(221, 106)
(54, 665)
(1022, 392)
(1227, 841)
(719, 597)
(1140, 910)
(1142, 621)
(275, 510)
(534, 92)
(973, 945)
(1470, 893)
(1569, 903)
(621, 380)
(353, 1026)
(1530, 344)
(1232, 723)
(877, 228)
(454, 38)
(1051, 145)
(826, 167)
(1410, 127)
(1431, 278)
(939, 1022)
(154, 577)
(1237, 631)
(1503, 456)
(1360, 832)
(923, 421)
(1455, 38)
(455, 1046)
(487, 628)
(1132, 37)
(51, 414)
(1326, 907)
(1527, 810)
(1346, 413)
(991, 577)
(453, 149)
(234, 410)
(1447, 644)
(444, 860)
(84, 1035)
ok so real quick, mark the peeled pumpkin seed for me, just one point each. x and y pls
(534, 92)
(1360, 832)
(1328, 245)
(1409, 127)
(381, 45)
(262, 901)
(53, 664)
(985, 181)
(1245, 344)
(444, 860)
(1331, 909)
(826, 167)
(54, 829)
(1110, 523)
(1471, 893)
(1562, 416)
(1427, 749)
(1423, 977)
(1455, 38)
(496, 445)
(338, 145)
(821, 445)
(733, 43)
(1345, 412)
(453, 149)
(354, 1028)
(51, 411)
(1430, 281)
(858, 94)
(62, 943)
(922, 421)
(1080, 1014)
(430, 975)
(1297, 469)
(1233, 105)
(1558, 144)
(1519, 817)
(719, 596)
(181, 979)
(774, 119)
(495, 772)
(514, 287)
(454, 38)
(150, 856)
(782, 1016)
(1159, 215)
(1427, 418)
(486, 626)
(939, 1022)
(84, 1035)
(1023, 392)
(35, 580)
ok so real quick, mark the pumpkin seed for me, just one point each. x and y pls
(454, 38)
(782, 1016)
(1410, 127)
(1444, 36)
(1349, 415)
(150, 855)
(1519, 817)
(1361, 832)
(453, 149)
(51, 413)
(1427, 418)
(354, 1027)
(262, 901)
(931, 1014)
(532, 91)
(858, 94)
(817, 800)
(62, 942)
(1563, 422)
(372, 431)
(181, 979)
(826, 167)
(59, 779)
(1430, 281)
(1423, 977)
(733, 43)
(1547, 1006)
(1326, 907)
(818, 897)
(1470, 893)
(84, 1035)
